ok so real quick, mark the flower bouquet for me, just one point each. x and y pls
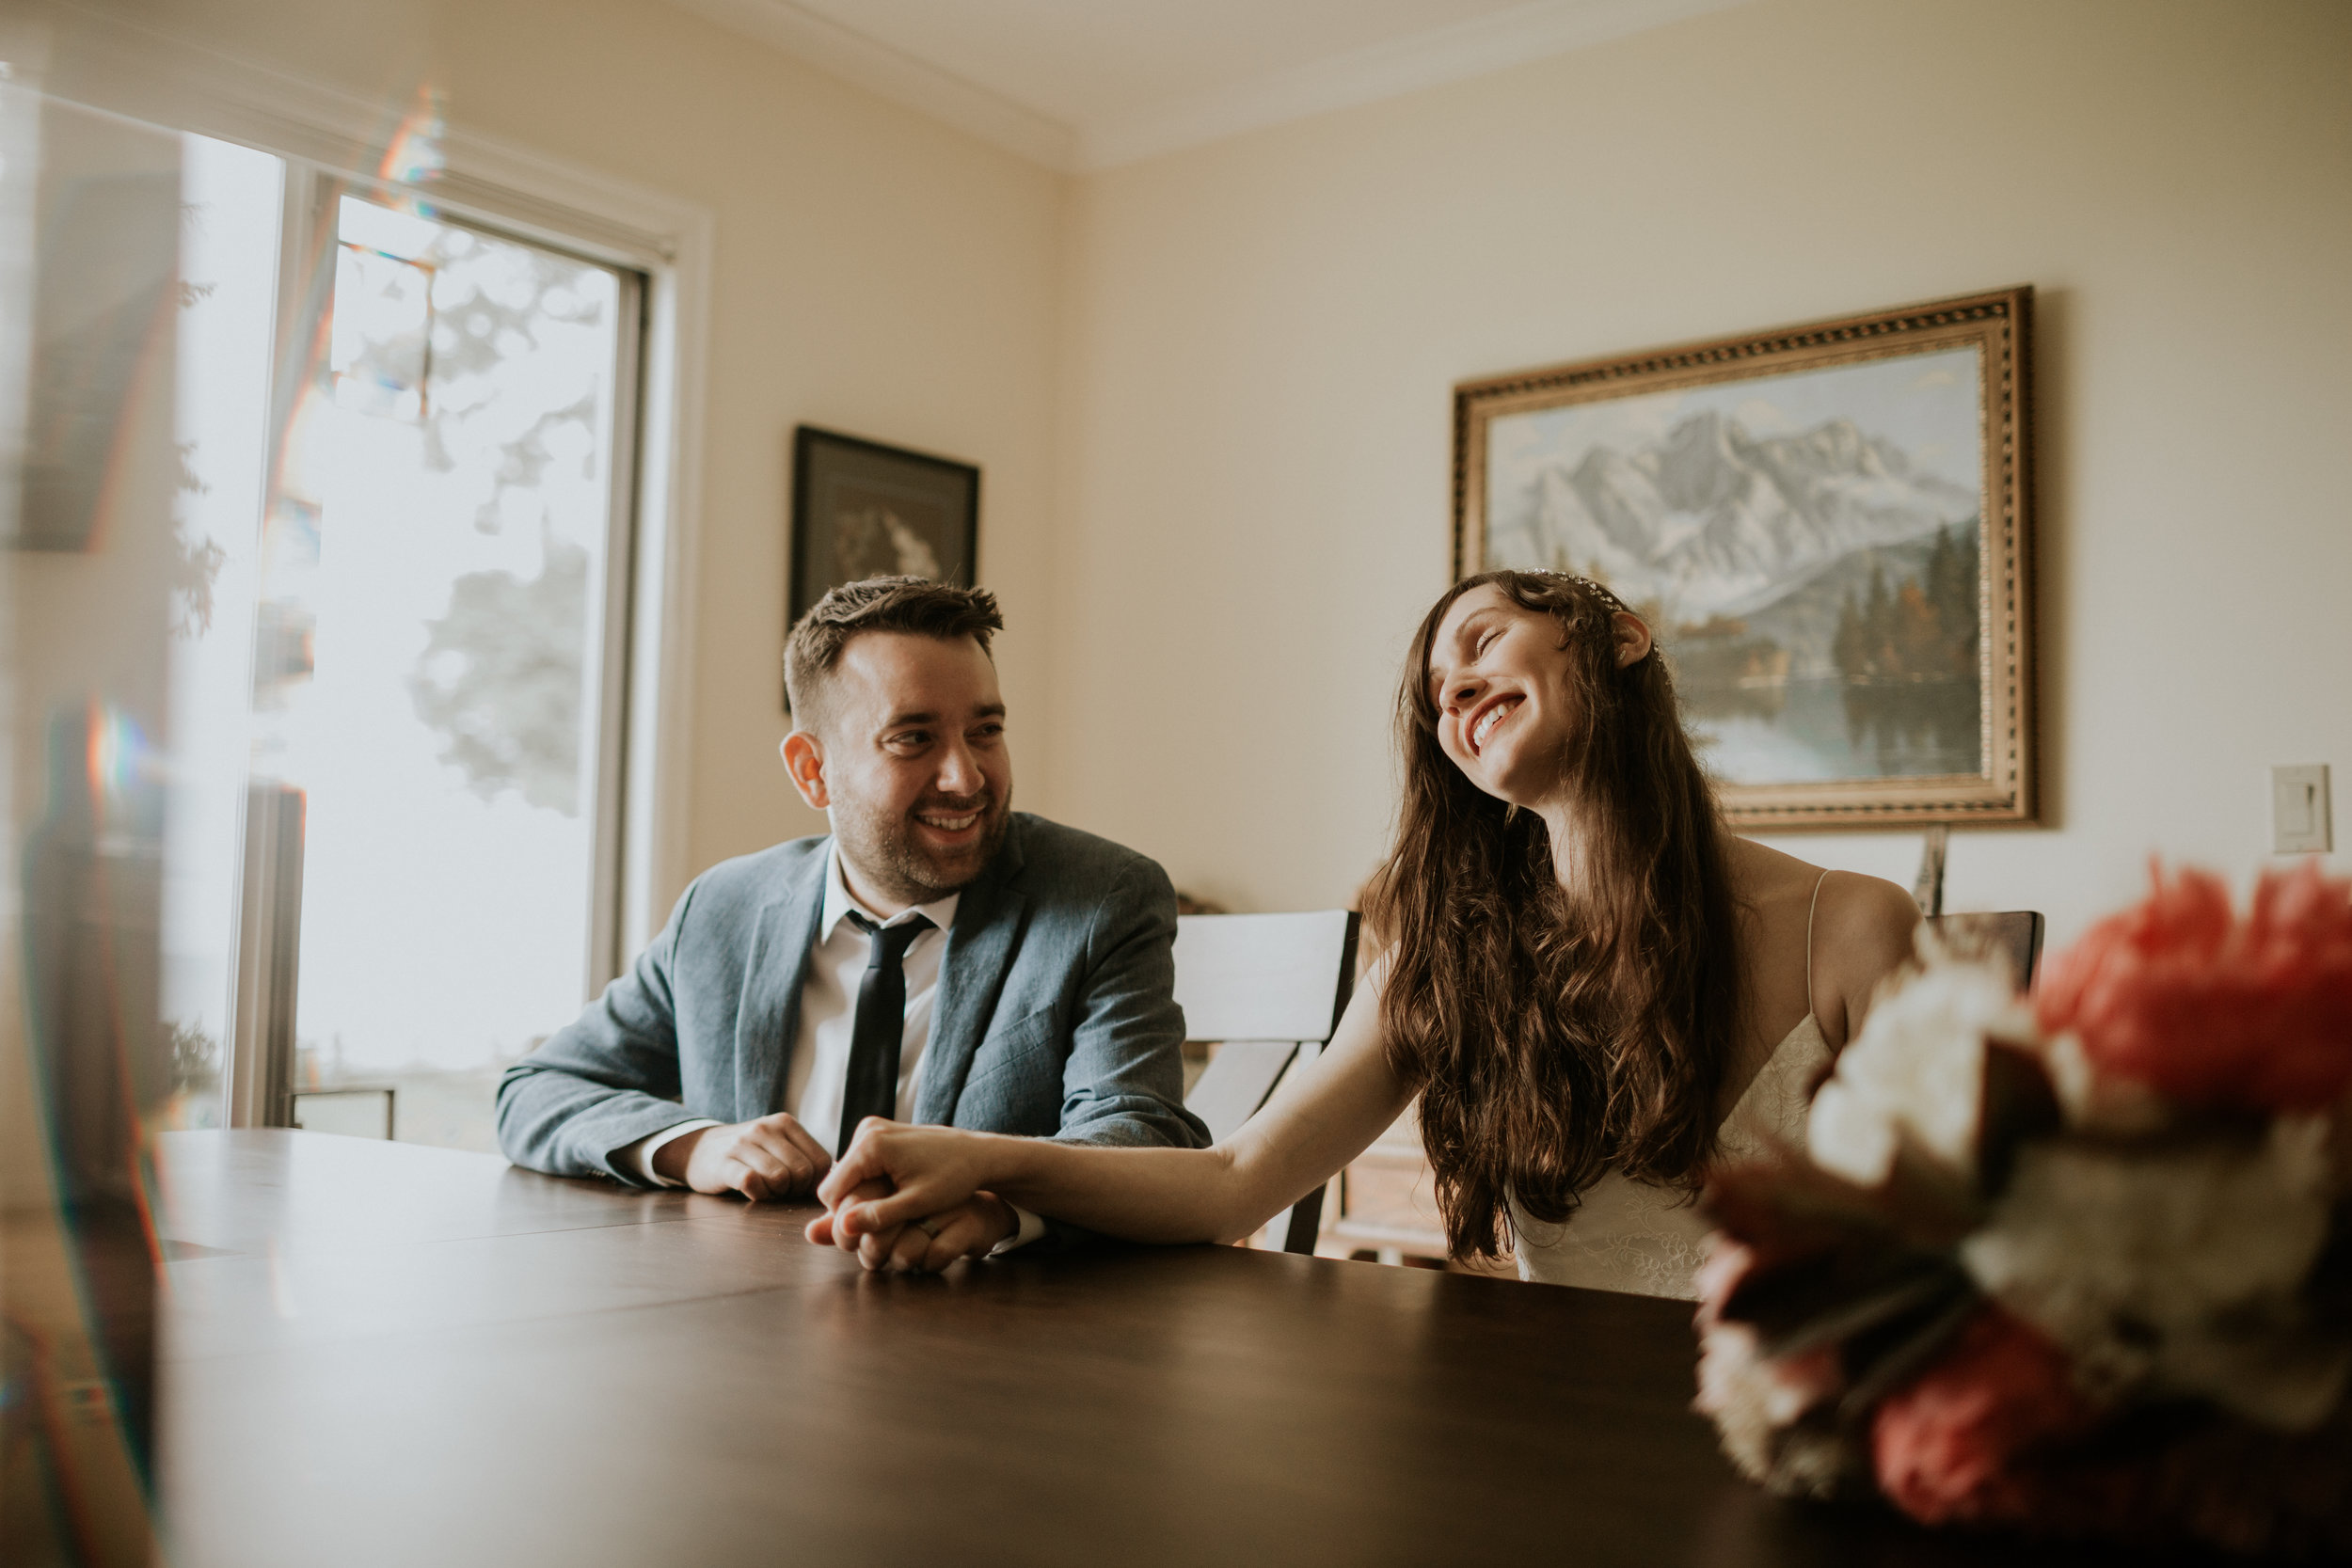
(2078, 1264)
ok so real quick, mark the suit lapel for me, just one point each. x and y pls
(768, 1025)
(980, 948)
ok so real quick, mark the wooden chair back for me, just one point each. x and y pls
(1269, 988)
(2014, 935)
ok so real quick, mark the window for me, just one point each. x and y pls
(431, 583)
(230, 198)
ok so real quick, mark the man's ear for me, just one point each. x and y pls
(1632, 637)
(804, 759)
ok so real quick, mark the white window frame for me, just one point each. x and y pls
(126, 69)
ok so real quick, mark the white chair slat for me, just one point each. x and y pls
(1261, 976)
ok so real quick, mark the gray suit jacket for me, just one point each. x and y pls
(1056, 1017)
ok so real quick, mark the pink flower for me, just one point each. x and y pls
(1956, 1442)
(1726, 1264)
(2207, 1009)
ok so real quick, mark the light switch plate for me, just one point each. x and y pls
(2298, 810)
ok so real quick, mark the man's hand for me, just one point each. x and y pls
(769, 1159)
(894, 1173)
(968, 1230)
(911, 1197)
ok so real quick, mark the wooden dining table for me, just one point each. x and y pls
(379, 1354)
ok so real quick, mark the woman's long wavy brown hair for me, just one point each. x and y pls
(1557, 1032)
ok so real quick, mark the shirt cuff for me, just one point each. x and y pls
(1031, 1229)
(637, 1158)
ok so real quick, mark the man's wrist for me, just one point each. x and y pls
(635, 1160)
(668, 1159)
(1026, 1227)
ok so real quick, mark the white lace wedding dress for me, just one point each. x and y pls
(1633, 1236)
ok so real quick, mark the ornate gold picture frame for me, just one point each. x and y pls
(1829, 527)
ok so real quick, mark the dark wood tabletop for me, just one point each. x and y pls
(379, 1354)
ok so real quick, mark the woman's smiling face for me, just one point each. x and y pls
(1501, 685)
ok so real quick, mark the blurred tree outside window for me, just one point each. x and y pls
(418, 632)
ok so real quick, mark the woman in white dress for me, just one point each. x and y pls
(1594, 988)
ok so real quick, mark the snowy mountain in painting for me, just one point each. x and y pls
(1711, 520)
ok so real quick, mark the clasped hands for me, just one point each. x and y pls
(889, 1222)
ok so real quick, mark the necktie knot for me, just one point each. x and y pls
(887, 944)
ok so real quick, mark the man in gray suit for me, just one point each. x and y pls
(936, 957)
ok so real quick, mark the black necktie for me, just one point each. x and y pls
(881, 1022)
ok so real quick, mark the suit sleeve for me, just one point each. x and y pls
(604, 1081)
(1125, 1080)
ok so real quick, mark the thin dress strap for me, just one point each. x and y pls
(1808, 942)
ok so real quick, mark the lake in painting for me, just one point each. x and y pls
(1805, 545)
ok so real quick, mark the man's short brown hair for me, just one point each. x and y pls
(913, 605)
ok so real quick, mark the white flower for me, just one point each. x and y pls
(1754, 1400)
(1748, 1404)
(1918, 1068)
(2177, 1269)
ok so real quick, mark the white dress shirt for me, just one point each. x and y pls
(820, 1072)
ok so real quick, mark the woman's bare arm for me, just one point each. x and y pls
(1322, 1118)
(1863, 935)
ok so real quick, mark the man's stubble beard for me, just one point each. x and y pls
(886, 851)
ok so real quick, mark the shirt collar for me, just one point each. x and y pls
(839, 903)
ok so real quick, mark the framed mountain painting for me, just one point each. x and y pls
(1830, 529)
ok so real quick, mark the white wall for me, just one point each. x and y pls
(1263, 335)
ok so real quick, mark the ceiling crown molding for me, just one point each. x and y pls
(898, 76)
(1389, 70)
(1400, 66)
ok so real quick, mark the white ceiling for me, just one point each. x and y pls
(1090, 83)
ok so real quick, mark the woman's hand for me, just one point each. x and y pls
(912, 1197)
(970, 1229)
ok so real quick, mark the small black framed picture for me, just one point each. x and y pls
(864, 509)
